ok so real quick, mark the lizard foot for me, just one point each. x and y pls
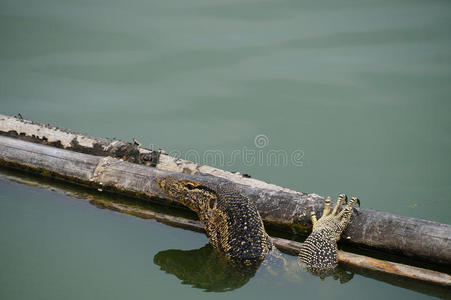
(337, 219)
(319, 251)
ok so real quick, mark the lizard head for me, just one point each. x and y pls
(193, 194)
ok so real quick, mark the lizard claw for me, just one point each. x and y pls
(356, 200)
(343, 197)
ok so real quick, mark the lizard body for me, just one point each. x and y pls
(232, 222)
(235, 228)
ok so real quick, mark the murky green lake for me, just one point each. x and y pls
(318, 96)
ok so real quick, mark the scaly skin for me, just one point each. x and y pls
(235, 228)
(319, 251)
(232, 222)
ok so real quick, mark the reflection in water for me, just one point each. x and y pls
(338, 273)
(206, 269)
(290, 268)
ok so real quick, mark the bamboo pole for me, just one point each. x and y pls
(279, 207)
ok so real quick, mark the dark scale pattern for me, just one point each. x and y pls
(246, 236)
(232, 222)
(319, 250)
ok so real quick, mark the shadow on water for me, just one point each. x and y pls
(206, 269)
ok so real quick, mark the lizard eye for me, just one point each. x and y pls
(190, 186)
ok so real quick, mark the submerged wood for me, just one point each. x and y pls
(108, 166)
(358, 262)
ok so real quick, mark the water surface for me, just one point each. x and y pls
(360, 89)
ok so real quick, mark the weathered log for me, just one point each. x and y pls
(419, 279)
(279, 207)
(128, 151)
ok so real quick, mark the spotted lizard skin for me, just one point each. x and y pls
(235, 228)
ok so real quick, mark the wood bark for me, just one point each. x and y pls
(124, 167)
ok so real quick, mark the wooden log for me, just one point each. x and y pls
(128, 151)
(279, 207)
(419, 279)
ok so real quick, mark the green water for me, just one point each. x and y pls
(361, 90)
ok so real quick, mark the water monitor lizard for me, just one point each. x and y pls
(235, 228)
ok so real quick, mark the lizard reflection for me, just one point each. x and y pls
(211, 271)
(206, 269)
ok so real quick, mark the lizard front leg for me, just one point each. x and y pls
(319, 251)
